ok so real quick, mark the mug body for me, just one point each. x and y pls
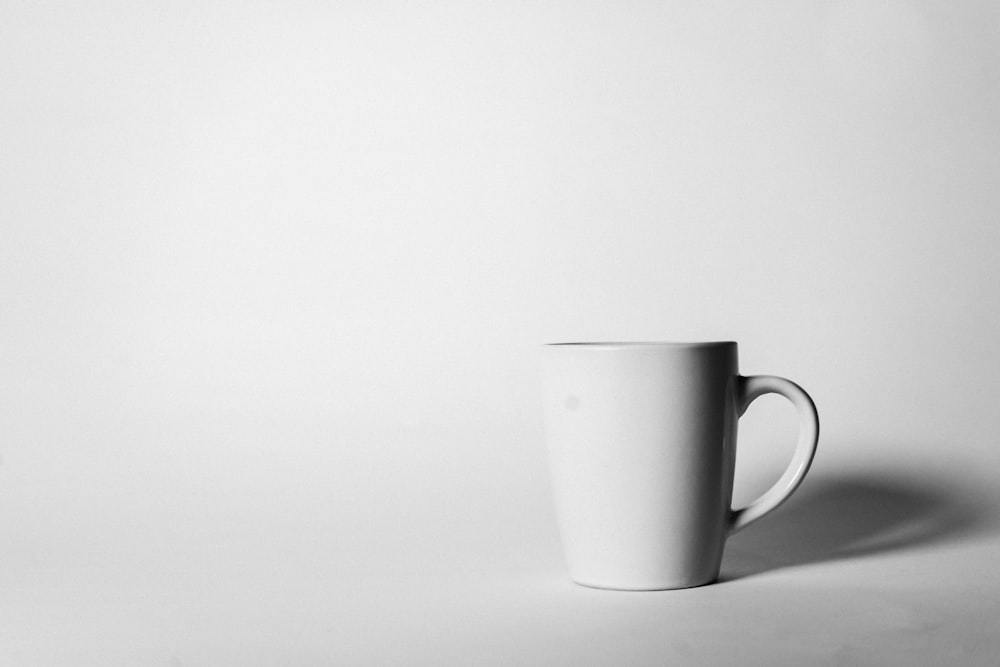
(641, 442)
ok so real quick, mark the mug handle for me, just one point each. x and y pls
(750, 388)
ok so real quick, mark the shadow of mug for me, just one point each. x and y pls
(850, 516)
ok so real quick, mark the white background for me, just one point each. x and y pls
(273, 278)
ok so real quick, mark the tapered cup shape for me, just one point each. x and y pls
(642, 448)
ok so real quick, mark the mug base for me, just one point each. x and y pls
(643, 587)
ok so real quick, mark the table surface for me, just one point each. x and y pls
(885, 565)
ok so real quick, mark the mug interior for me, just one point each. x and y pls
(645, 344)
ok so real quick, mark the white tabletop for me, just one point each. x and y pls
(293, 559)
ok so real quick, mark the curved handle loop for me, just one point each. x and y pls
(750, 388)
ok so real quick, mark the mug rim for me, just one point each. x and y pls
(613, 344)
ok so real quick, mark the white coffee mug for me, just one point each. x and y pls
(642, 449)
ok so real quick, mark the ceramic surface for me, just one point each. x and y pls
(642, 448)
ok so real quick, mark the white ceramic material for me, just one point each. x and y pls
(642, 448)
